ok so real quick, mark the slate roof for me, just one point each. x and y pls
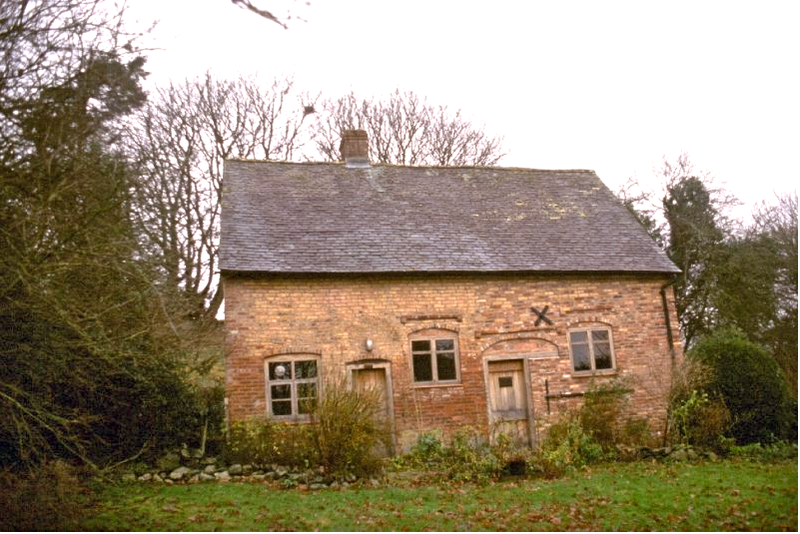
(327, 218)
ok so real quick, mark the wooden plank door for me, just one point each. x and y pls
(508, 401)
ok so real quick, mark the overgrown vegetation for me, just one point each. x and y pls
(349, 433)
(567, 446)
(602, 415)
(344, 436)
(96, 357)
(48, 498)
(109, 228)
(263, 441)
(468, 457)
(730, 387)
(698, 420)
(596, 432)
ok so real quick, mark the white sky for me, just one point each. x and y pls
(609, 86)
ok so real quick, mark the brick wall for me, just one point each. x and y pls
(491, 316)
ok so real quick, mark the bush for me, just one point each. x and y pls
(348, 432)
(344, 436)
(44, 499)
(566, 446)
(468, 458)
(750, 383)
(699, 420)
(427, 451)
(601, 416)
(471, 459)
(262, 441)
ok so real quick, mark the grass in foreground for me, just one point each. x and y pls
(726, 496)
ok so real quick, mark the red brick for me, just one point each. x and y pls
(491, 314)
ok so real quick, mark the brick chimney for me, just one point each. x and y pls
(355, 148)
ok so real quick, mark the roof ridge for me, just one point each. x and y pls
(396, 166)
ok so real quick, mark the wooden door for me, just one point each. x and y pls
(374, 379)
(508, 401)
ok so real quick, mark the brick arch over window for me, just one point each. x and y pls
(583, 323)
(434, 330)
(292, 385)
(435, 358)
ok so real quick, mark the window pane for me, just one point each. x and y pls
(282, 407)
(578, 337)
(305, 390)
(580, 357)
(306, 405)
(445, 344)
(421, 345)
(305, 369)
(281, 391)
(280, 370)
(446, 365)
(602, 355)
(422, 368)
(599, 335)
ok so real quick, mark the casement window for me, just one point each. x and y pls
(591, 350)
(435, 360)
(292, 387)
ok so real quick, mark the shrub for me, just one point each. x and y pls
(348, 432)
(566, 446)
(636, 433)
(601, 417)
(750, 383)
(699, 420)
(343, 436)
(468, 458)
(428, 450)
(44, 499)
(262, 441)
(471, 459)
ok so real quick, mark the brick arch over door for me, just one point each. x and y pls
(523, 347)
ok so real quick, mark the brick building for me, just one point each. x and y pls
(468, 296)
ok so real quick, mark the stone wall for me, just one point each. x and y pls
(490, 314)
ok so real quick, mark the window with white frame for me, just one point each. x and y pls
(434, 360)
(292, 386)
(591, 349)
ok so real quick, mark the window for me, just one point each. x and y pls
(434, 360)
(291, 387)
(591, 350)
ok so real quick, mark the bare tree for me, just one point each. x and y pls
(267, 13)
(179, 142)
(775, 225)
(45, 45)
(405, 130)
(88, 366)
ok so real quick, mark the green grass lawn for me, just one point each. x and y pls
(728, 495)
